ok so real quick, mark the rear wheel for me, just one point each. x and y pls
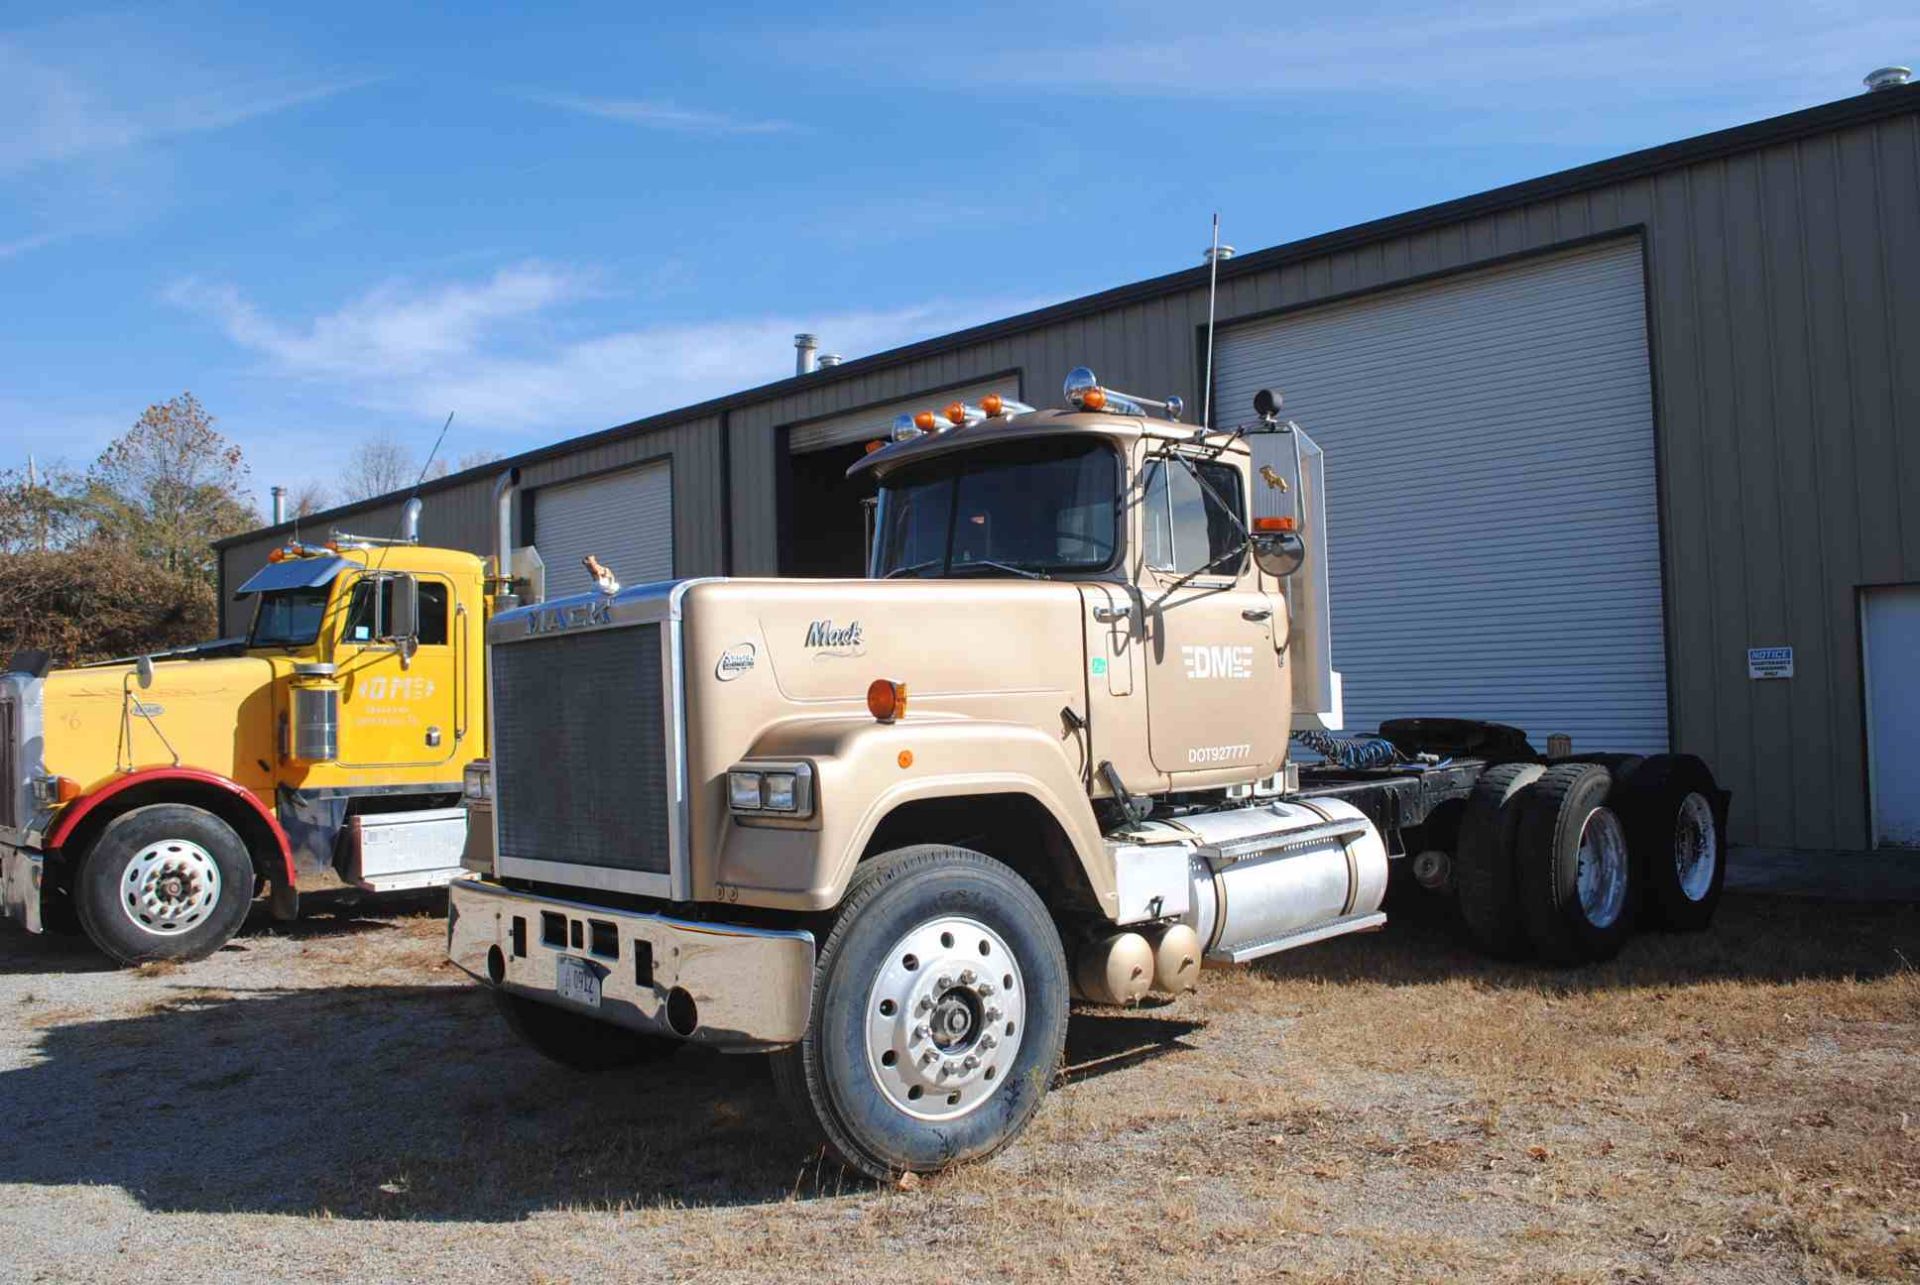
(167, 881)
(1486, 880)
(1676, 831)
(939, 1014)
(576, 1041)
(1576, 878)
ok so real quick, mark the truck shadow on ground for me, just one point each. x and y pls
(410, 1102)
(1755, 937)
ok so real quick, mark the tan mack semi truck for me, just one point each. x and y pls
(885, 829)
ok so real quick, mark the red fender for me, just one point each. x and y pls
(77, 811)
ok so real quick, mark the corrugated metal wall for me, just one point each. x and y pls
(1785, 328)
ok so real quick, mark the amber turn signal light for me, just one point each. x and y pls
(1093, 399)
(993, 404)
(956, 414)
(886, 699)
(1273, 524)
(924, 421)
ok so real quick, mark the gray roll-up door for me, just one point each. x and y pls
(1491, 494)
(624, 518)
(876, 422)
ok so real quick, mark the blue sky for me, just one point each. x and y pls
(549, 221)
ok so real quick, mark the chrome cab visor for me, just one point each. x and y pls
(724, 985)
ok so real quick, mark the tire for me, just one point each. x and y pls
(576, 1041)
(166, 881)
(951, 928)
(1576, 876)
(1486, 878)
(1676, 822)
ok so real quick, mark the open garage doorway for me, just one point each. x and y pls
(823, 516)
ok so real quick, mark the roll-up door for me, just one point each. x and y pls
(1491, 493)
(623, 518)
(876, 422)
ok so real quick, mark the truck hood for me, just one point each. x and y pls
(213, 714)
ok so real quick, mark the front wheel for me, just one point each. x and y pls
(939, 1014)
(166, 881)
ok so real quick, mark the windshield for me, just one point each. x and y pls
(289, 617)
(1023, 508)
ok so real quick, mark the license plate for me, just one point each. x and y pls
(577, 981)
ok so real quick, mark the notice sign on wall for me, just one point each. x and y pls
(1769, 662)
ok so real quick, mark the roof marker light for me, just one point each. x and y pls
(956, 413)
(992, 405)
(924, 421)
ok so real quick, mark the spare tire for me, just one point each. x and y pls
(1486, 882)
(1676, 823)
(1576, 874)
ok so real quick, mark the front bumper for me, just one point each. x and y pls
(21, 872)
(724, 985)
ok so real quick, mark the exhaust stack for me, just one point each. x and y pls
(505, 488)
(279, 504)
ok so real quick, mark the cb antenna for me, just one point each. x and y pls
(1213, 291)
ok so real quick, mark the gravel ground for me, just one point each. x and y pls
(336, 1101)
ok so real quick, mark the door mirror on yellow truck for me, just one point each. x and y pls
(403, 613)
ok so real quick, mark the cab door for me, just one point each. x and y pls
(398, 697)
(1217, 703)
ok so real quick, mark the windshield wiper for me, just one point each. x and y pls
(912, 567)
(997, 566)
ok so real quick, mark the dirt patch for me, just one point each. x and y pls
(1733, 1106)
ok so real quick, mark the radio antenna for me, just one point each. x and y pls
(1213, 290)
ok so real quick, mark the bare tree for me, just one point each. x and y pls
(168, 487)
(475, 459)
(377, 466)
(307, 499)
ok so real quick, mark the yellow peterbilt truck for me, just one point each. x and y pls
(886, 829)
(146, 802)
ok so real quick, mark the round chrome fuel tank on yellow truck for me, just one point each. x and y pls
(887, 830)
(147, 802)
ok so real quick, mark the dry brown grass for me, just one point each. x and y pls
(1733, 1106)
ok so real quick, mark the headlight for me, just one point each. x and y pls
(784, 789)
(478, 782)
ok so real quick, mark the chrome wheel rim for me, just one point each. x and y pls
(1696, 847)
(1602, 874)
(170, 887)
(945, 1018)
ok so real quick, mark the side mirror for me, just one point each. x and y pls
(1278, 553)
(404, 619)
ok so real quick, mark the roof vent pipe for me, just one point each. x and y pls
(1888, 77)
(410, 520)
(1223, 253)
(804, 346)
(829, 359)
(279, 505)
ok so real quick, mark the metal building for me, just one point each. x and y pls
(1629, 430)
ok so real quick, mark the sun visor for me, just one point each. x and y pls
(294, 573)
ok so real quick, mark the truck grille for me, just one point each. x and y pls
(10, 782)
(580, 750)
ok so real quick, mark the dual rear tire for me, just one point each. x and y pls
(1559, 862)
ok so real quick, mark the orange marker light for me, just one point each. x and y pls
(65, 789)
(886, 700)
(992, 404)
(956, 414)
(906, 758)
(1093, 399)
(874, 446)
(924, 421)
(277, 555)
(1273, 524)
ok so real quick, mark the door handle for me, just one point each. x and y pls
(1108, 615)
(1257, 613)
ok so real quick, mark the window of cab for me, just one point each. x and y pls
(363, 626)
(1185, 527)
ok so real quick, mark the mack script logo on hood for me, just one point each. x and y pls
(546, 620)
(824, 633)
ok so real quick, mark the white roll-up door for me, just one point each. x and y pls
(624, 518)
(876, 422)
(1491, 493)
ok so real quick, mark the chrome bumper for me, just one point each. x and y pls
(20, 873)
(720, 984)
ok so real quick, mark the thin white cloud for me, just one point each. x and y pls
(656, 114)
(22, 245)
(488, 350)
(55, 115)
